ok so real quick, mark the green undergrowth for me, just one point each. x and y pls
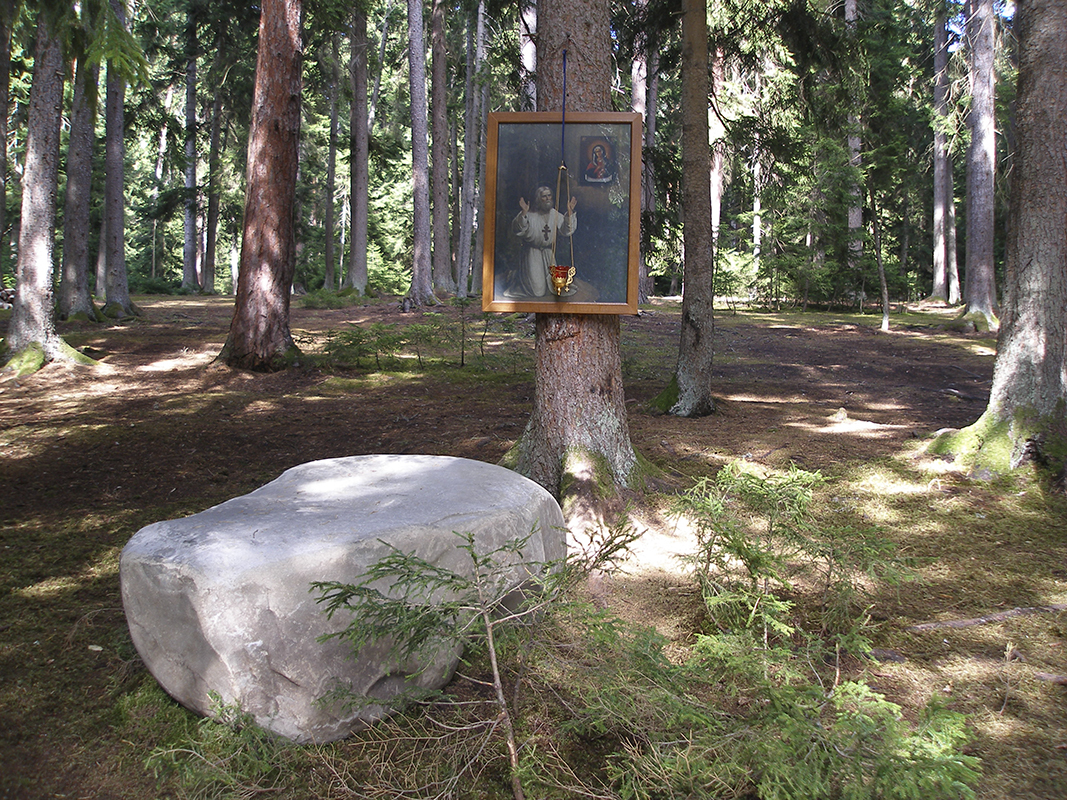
(491, 342)
(555, 697)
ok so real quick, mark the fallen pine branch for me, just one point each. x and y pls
(1003, 615)
(1050, 678)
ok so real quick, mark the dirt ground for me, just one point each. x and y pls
(813, 394)
(158, 430)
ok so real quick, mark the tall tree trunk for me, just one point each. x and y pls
(528, 52)
(942, 168)
(471, 149)
(330, 278)
(855, 159)
(259, 337)
(212, 226)
(643, 80)
(1026, 418)
(117, 288)
(442, 244)
(696, 346)
(980, 287)
(74, 298)
(876, 231)
(951, 260)
(161, 156)
(757, 188)
(421, 291)
(101, 260)
(359, 134)
(483, 156)
(7, 19)
(373, 107)
(577, 436)
(33, 317)
(190, 280)
(716, 135)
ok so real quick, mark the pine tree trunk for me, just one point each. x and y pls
(696, 346)
(855, 159)
(483, 155)
(190, 281)
(577, 435)
(358, 154)
(643, 100)
(716, 135)
(471, 150)
(942, 170)
(259, 336)
(33, 317)
(116, 284)
(528, 53)
(214, 147)
(980, 287)
(330, 277)
(442, 244)
(421, 291)
(1027, 411)
(74, 298)
(7, 14)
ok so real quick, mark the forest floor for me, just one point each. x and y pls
(90, 455)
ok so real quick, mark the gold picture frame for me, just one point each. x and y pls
(562, 213)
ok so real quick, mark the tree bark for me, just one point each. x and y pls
(7, 18)
(942, 168)
(74, 297)
(577, 433)
(421, 291)
(213, 153)
(855, 160)
(644, 79)
(696, 346)
(359, 136)
(33, 317)
(876, 230)
(190, 280)
(471, 130)
(528, 52)
(330, 276)
(442, 241)
(980, 287)
(1026, 418)
(117, 289)
(259, 337)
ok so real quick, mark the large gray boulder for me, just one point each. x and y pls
(219, 605)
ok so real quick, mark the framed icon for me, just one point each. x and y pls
(562, 213)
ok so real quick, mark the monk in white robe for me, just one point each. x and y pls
(537, 229)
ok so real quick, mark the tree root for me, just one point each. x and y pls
(999, 617)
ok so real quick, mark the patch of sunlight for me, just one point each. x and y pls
(852, 427)
(187, 360)
(981, 349)
(998, 726)
(768, 399)
(885, 406)
(660, 547)
(105, 566)
(888, 485)
(49, 587)
(261, 407)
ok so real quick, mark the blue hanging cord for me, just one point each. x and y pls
(563, 118)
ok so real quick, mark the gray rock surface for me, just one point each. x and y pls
(218, 603)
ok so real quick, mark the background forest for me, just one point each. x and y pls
(810, 115)
(801, 595)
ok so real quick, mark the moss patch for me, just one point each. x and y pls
(665, 400)
(1002, 445)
